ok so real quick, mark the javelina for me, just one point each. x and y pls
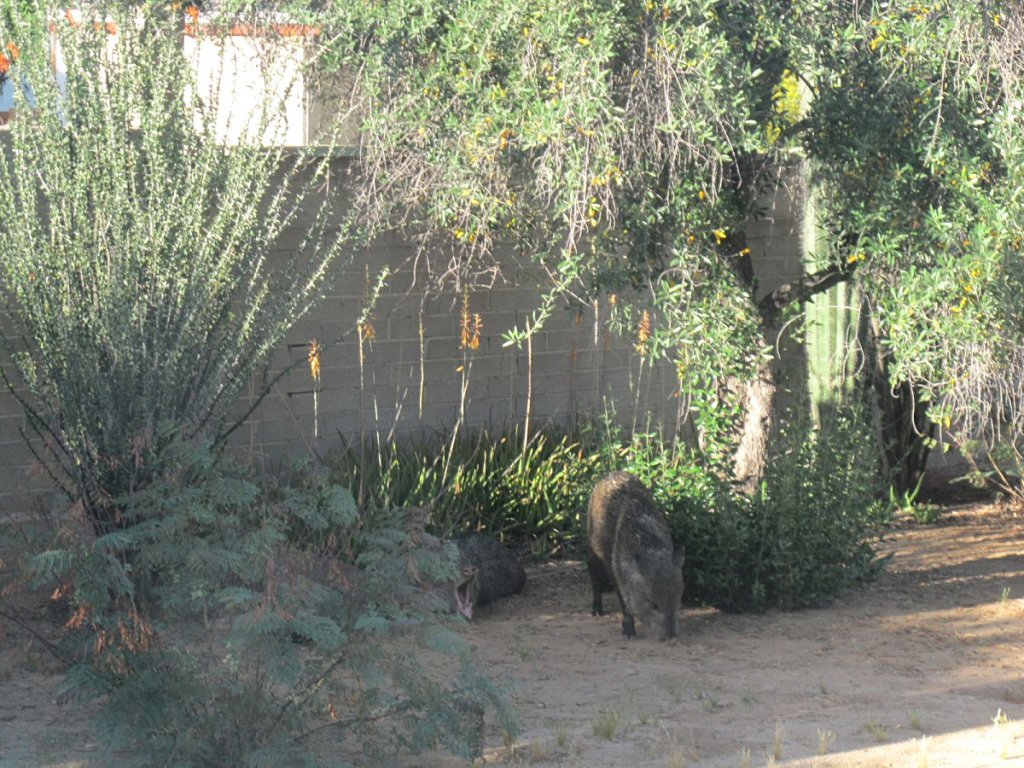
(629, 549)
(463, 594)
(498, 573)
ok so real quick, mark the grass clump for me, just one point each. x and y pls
(536, 493)
(606, 724)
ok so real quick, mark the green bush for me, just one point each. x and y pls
(804, 537)
(239, 624)
(536, 493)
(821, 506)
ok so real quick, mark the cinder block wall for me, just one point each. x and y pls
(413, 379)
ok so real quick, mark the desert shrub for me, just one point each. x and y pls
(140, 305)
(820, 509)
(238, 622)
(805, 536)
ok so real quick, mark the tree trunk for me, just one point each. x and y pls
(751, 459)
(905, 430)
(750, 462)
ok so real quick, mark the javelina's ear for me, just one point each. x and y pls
(678, 558)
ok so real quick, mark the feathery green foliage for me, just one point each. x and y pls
(239, 622)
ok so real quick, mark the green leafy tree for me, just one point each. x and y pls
(617, 147)
(914, 131)
(622, 146)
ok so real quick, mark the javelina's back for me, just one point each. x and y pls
(629, 549)
(498, 572)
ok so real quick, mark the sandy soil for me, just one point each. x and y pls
(912, 670)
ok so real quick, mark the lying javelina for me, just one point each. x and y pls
(498, 573)
(629, 549)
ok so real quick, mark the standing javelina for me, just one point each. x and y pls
(498, 574)
(629, 549)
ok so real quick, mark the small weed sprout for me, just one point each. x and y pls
(915, 720)
(561, 737)
(538, 752)
(826, 739)
(879, 731)
(1004, 598)
(508, 741)
(777, 740)
(745, 758)
(709, 703)
(1003, 734)
(606, 726)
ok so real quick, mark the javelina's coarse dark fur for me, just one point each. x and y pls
(498, 573)
(629, 549)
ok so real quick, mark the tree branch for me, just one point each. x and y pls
(802, 289)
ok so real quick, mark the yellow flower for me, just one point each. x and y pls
(720, 236)
(583, 40)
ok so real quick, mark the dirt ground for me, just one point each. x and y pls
(922, 668)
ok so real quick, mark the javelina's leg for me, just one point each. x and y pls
(597, 582)
(628, 623)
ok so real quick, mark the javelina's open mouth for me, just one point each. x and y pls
(464, 600)
(466, 591)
